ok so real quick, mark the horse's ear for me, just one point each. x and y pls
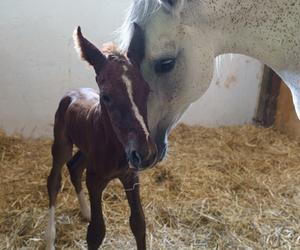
(87, 51)
(172, 6)
(136, 50)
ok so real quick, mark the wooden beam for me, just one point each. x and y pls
(267, 103)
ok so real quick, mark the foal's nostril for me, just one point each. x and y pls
(135, 158)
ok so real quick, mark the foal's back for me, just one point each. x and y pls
(77, 104)
(76, 110)
(74, 115)
(86, 124)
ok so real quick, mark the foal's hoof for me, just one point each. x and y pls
(50, 242)
(50, 247)
(50, 232)
(84, 208)
(86, 213)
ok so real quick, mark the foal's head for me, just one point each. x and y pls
(123, 94)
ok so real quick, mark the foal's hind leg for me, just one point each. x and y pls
(61, 153)
(76, 167)
(130, 182)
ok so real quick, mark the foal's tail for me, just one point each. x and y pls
(62, 109)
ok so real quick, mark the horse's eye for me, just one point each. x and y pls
(164, 65)
(106, 99)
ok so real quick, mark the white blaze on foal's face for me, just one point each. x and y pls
(139, 117)
(123, 96)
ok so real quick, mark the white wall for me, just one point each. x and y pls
(38, 64)
(232, 97)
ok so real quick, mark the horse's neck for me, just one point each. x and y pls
(264, 29)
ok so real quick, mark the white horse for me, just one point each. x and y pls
(183, 37)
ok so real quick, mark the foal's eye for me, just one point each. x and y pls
(164, 65)
(106, 99)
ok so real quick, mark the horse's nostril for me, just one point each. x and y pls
(135, 158)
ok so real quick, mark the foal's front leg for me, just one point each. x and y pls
(130, 182)
(96, 228)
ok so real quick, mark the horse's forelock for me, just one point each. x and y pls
(139, 12)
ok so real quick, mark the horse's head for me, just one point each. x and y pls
(123, 95)
(178, 61)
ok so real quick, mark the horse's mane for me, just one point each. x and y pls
(139, 12)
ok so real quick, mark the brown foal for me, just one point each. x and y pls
(110, 130)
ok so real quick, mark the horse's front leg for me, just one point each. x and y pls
(96, 228)
(130, 182)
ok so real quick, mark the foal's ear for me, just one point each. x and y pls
(172, 6)
(87, 51)
(136, 50)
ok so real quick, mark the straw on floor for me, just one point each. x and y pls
(226, 188)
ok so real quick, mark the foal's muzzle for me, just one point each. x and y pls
(135, 158)
(141, 159)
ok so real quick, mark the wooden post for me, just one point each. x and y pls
(267, 103)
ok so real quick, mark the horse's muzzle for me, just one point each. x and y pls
(161, 142)
(162, 151)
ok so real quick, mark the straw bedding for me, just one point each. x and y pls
(226, 188)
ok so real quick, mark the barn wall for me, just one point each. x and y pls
(232, 96)
(38, 64)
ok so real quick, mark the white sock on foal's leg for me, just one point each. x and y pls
(84, 207)
(50, 230)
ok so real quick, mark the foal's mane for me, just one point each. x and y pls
(110, 48)
(112, 51)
